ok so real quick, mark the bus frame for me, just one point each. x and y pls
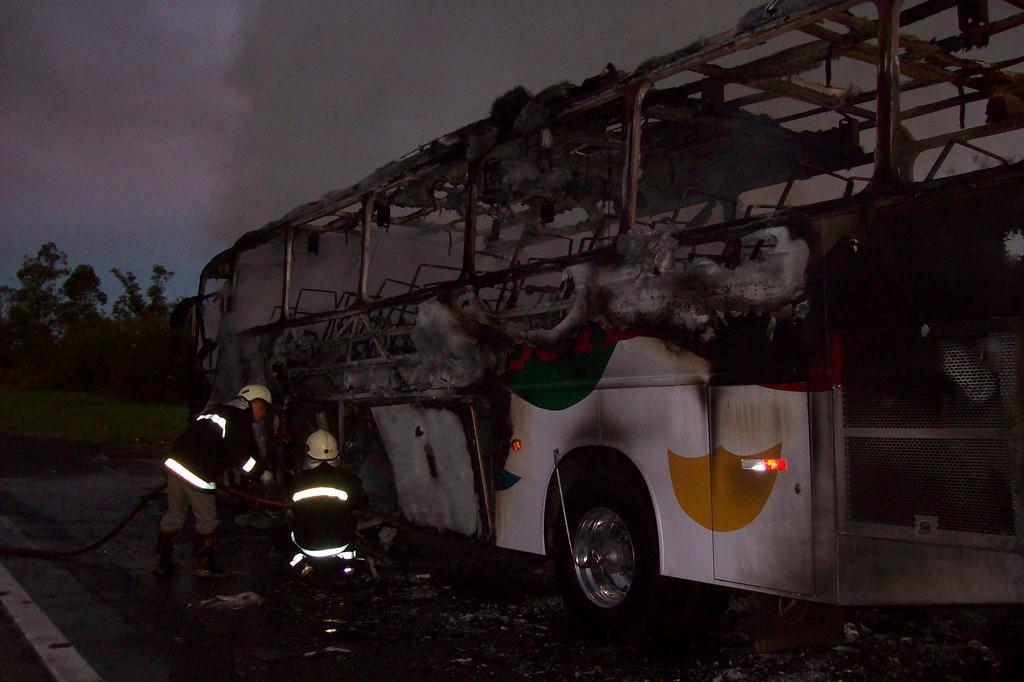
(824, 401)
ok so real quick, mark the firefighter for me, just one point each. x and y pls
(218, 439)
(325, 497)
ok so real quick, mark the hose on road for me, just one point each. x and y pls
(249, 497)
(33, 553)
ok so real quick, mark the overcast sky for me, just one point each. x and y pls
(134, 133)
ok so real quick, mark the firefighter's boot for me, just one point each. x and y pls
(206, 558)
(165, 567)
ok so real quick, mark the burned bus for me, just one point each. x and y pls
(748, 316)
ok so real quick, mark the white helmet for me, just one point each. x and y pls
(321, 445)
(255, 392)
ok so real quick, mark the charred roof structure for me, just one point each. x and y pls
(556, 200)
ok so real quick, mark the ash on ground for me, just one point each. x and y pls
(442, 609)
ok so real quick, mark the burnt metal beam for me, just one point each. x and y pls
(715, 47)
(755, 98)
(942, 105)
(808, 55)
(815, 93)
(1008, 23)
(286, 284)
(912, 65)
(905, 114)
(888, 88)
(862, 98)
(1009, 125)
(949, 147)
(633, 128)
(469, 238)
(364, 247)
(798, 89)
(789, 62)
(428, 291)
(917, 49)
(924, 10)
(855, 49)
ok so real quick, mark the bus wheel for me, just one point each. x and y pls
(609, 572)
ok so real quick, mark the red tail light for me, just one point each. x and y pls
(764, 465)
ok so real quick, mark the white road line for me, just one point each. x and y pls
(56, 652)
(53, 648)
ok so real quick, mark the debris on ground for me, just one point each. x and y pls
(465, 611)
(235, 601)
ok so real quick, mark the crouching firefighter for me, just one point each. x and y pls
(324, 499)
(218, 439)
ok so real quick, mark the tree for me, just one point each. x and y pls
(33, 307)
(7, 341)
(55, 333)
(82, 296)
(130, 303)
(157, 291)
(6, 300)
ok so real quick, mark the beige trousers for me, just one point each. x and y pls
(180, 496)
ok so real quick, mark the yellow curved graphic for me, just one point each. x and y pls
(739, 495)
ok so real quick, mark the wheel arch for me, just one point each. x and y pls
(573, 467)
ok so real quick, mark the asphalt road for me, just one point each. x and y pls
(440, 609)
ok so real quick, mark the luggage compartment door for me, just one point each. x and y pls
(761, 515)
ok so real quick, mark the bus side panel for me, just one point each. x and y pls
(664, 431)
(880, 571)
(431, 464)
(520, 506)
(762, 518)
(643, 412)
(823, 516)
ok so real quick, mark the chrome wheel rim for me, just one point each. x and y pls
(603, 556)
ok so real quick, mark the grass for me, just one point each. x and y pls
(87, 417)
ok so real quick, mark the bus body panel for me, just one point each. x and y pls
(521, 507)
(432, 466)
(664, 431)
(878, 571)
(773, 547)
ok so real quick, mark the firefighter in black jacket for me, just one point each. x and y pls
(218, 439)
(325, 497)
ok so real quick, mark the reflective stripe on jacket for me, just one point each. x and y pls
(218, 439)
(324, 499)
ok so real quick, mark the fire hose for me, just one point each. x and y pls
(32, 553)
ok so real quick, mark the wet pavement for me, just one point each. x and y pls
(440, 609)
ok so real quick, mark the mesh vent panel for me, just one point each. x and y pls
(932, 383)
(963, 482)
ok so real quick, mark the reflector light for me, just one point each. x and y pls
(517, 444)
(296, 559)
(764, 465)
(249, 465)
(177, 468)
(319, 492)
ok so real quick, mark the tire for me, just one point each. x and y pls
(656, 612)
(610, 576)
